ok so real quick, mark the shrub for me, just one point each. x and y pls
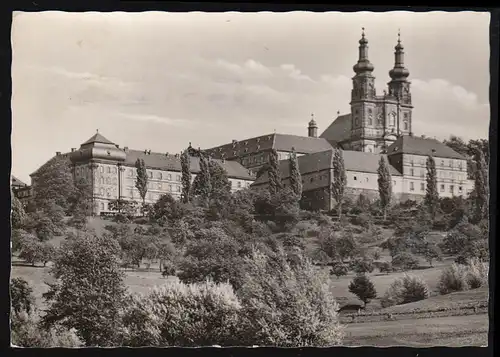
(405, 290)
(363, 288)
(361, 266)
(376, 253)
(287, 305)
(338, 269)
(385, 267)
(187, 315)
(21, 296)
(168, 269)
(453, 278)
(405, 261)
(477, 273)
(361, 219)
(31, 249)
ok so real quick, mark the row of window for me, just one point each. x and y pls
(442, 188)
(157, 175)
(441, 174)
(442, 163)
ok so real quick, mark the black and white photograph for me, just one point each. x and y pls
(256, 179)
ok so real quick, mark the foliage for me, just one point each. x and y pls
(385, 267)
(186, 176)
(167, 210)
(81, 203)
(431, 191)
(285, 208)
(477, 273)
(219, 182)
(431, 252)
(404, 261)
(141, 181)
(338, 269)
(274, 173)
(18, 215)
(384, 185)
(177, 314)
(453, 278)
(376, 253)
(47, 222)
(362, 219)
(295, 176)
(405, 290)
(287, 304)
(127, 208)
(21, 296)
(339, 179)
(363, 288)
(89, 291)
(53, 182)
(202, 184)
(481, 190)
(361, 266)
(33, 251)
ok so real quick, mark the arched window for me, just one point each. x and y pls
(108, 180)
(102, 180)
(101, 191)
(392, 119)
(405, 125)
(150, 173)
(109, 170)
(370, 120)
(102, 206)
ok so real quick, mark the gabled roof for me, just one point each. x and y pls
(422, 146)
(280, 142)
(16, 182)
(339, 130)
(354, 161)
(98, 138)
(173, 163)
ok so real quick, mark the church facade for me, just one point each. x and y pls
(375, 121)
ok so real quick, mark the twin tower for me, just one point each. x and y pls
(376, 121)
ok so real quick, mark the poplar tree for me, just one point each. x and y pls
(204, 184)
(384, 185)
(431, 193)
(339, 179)
(480, 187)
(141, 182)
(186, 176)
(274, 173)
(295, 177)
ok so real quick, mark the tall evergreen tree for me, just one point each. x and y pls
(274, 173)
(204, 187)
(295, 177)
(339, 179)
(431, 193)
(384, 185)
(141, 182)
(186, 176)
(481, 190)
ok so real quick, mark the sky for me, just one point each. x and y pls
(159, 81)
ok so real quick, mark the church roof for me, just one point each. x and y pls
(173, 163)
(98, 138)
(354, 161)
(279, 142)
(339, 130)
(422, 146)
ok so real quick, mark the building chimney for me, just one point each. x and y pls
(125, 148)
(58, 153)
(73, 149)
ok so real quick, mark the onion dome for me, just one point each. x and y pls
(399, 72)
(363, 65)
(312, 123)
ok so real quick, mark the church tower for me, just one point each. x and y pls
(312, 128)
(399, 90)
(363, 101)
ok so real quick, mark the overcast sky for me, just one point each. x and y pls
(161, 80)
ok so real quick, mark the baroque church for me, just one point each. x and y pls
(375, 121)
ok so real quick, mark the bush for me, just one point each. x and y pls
(385, 267)
(477, 273)
(287, 305)
(361, 219)
(363, 288)
(405, 290)
(186, 315)
(453, 278)
(405, 261)
(21, 296)
(338, 269)
(361, 266)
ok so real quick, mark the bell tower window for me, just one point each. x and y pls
(392, 119)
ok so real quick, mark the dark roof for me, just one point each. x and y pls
(173, 163)
(353, 161)
(16, 182)
(339, 130)
(98, 138)
(422, 146)
(280, 142)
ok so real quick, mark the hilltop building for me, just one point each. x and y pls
(377, 125)
(112, 174)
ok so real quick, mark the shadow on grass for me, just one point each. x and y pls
(24, 264)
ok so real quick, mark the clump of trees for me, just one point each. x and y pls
(363, 288)
(405, 290)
